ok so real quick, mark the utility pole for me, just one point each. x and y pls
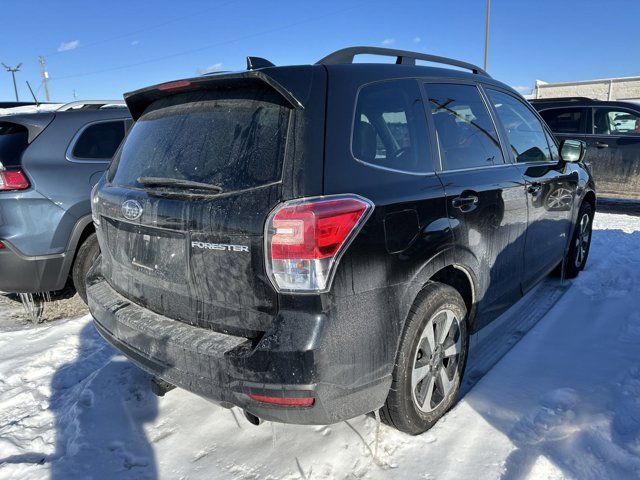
(45, 77)
(486, 35)
(13, 74)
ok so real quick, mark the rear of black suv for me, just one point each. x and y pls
(211, 274)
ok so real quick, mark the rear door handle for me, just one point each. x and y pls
(602, 145)
(534, 188)
(464, 202)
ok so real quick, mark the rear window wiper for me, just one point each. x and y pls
(178, 182)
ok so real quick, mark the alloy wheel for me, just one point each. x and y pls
(435, 364)
(583, 238)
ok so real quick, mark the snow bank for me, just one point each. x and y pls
(563, 403)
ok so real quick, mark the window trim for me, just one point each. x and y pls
(591, 118)
(428, 162)
(70, 157)
(545, 127)
(432, 129)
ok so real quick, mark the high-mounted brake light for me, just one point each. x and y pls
(13, 180)
(284, 401)
(174, 85)
(306, 238)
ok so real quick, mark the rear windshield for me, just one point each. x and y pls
(233, 139)
(14, 139)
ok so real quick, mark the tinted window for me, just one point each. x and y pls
(14, 139)
(99, 141)
(233, 138)
(390, 128)
(526, 134)
(564, 120)
(609, 121)
(466, 134)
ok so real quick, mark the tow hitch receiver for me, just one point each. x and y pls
(160, 387)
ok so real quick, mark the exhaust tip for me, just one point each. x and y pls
(253, 420)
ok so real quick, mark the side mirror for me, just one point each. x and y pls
(572, 150)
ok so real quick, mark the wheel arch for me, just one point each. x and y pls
(83, 228)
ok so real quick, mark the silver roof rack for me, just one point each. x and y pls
(403, 57)
(92, 105)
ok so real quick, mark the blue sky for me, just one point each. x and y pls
(102, 49)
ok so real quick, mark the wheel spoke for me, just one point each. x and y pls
(446, 326)
(452, 349)
(428, 392)
(444, 382)
(418, 374)
(428, 338)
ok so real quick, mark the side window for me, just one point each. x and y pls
(99, 141)
(526, 134)
(390, 128)
(564, 120)
(609, 121)
(466, 134)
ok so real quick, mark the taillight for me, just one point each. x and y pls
(305, 239)
(13, 180)
(2, 246)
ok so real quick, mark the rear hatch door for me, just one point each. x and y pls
(183, 207)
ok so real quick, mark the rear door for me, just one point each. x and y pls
(551, 185)
(486, 197)
(194, 251)
(614, 151)
(381, 151)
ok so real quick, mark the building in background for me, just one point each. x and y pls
(623, 88)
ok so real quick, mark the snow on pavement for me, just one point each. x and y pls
(563, 403)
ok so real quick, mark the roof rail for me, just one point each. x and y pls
(403, 57)
(561, 99)
(92, 105)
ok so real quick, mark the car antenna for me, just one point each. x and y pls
(33, 94)
(258, 62)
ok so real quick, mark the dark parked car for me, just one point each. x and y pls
(48, 164)
(612, 133)
(315, 242)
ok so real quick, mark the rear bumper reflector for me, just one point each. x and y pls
(284, 401)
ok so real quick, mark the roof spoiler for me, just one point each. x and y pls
(139, 100)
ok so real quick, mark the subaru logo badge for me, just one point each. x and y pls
(131, 209)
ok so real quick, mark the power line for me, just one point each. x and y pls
(207, 47)
(142, 30)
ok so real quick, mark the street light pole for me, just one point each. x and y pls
(486, 35)
(13, 74)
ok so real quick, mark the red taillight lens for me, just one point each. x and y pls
(13, 180)
(284, 401)
(2, 246)
(174, 85)
(306, 237)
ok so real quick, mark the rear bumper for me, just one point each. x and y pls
(22, 274)
(285, 362)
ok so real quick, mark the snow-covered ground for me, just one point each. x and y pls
(563, 403)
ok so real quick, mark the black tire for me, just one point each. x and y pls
(401, 409)
(575, 261)
(87, 254)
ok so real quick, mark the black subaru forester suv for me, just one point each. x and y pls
(311, 243)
